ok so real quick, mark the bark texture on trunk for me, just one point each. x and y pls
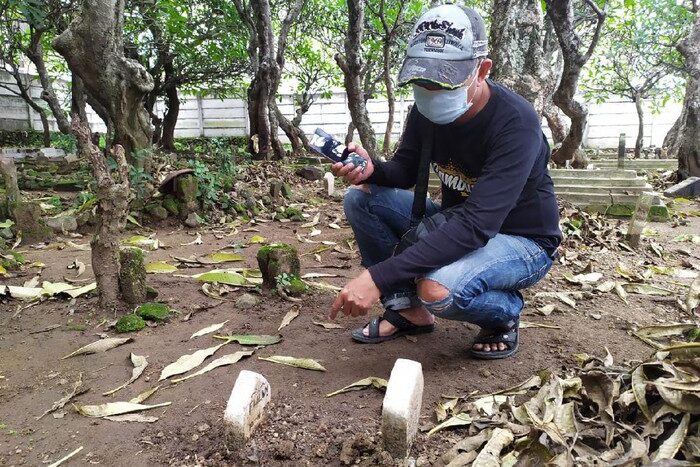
(555, 122)
(351, 65)
(172, 100)
(561, 13)
(93, 46)
(112, 208)
(516, 48)
(390, 96)
(686, 146)
(77, 98)
(8, 169)
(388, 37)
(263, 114)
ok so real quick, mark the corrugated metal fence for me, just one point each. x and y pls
(204, 116)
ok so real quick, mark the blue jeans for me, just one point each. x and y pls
(483, 285)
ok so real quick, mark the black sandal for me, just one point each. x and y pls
(507, 335)
(403, 328)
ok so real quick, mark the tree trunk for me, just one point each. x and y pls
(556, 124)
(688, 139)
(24, 91)
(562, 16)
(93, 47)
(77, 98)
(350, 133)
(299, 141)
(35, 53)
(149, 104)
(12, 194)
(102, 112)
(516, 48)
(167, 140)
(639, 105)
(112, 208)
(277, 146)
(351, 65)
(260, 86)
(390, 97)
(670, 144)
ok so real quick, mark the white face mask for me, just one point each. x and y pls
(443, 106)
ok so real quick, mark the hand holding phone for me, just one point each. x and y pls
(351, 162)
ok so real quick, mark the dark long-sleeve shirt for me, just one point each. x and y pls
(495, 165)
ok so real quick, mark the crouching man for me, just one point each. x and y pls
(502, 231)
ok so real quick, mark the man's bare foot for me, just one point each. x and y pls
(490, 347)
(500, 342)
(418, 316)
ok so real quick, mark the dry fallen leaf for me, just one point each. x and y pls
(291, 314)
(445, 408)
(78, 389)
(132, 417)
(305, 363)
(187, 362)
(646, 289)
(66, 457)
(208, 329)
(371, 381)
(461, 419)
(102, 345)
(160, 267)
(223, 361)
(196, 241)
(328, 325)
(115, 408)
(221, 257)
(251, 339)
(144, 395)
(140, 364)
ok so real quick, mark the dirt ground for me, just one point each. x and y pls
(303, 427)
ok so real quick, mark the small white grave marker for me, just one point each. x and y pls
(329, 182)
(246, 407)
(401, 409)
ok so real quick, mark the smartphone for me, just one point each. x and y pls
(332, 149)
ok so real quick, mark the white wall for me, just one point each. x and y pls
(229, 117)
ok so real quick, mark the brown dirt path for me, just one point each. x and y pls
(304, 426)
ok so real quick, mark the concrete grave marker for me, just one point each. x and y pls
(401, 408)
(329, 182)
(246, 407)
(639, 219)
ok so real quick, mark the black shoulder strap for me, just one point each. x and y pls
(420, 193)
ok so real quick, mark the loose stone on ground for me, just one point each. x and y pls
(247, 301)
(246, 407)
(688, 188)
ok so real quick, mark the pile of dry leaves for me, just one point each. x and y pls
(599, 414)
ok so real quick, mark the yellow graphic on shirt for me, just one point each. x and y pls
(454, 178)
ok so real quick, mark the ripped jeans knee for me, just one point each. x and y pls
(434, 296)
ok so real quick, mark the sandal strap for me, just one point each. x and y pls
(507, 335)
(397, 320)
(373, 327)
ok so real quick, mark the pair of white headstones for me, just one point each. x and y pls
(400, 410)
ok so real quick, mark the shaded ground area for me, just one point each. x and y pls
(303, 427)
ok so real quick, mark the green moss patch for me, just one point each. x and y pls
(154, 311)
(291, 284)
(130, 323)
